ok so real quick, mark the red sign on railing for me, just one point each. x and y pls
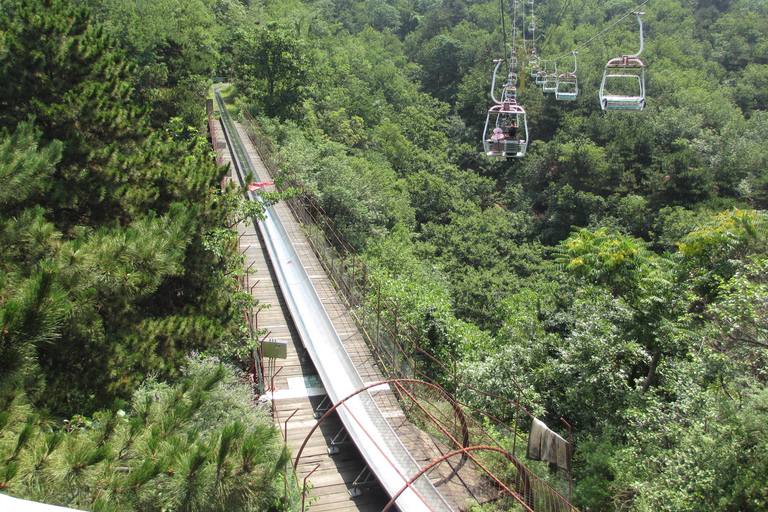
(256, 186)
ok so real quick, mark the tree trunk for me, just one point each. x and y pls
(651, 370)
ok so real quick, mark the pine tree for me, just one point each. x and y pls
(117, 214)
(32, 302)
(68, 76)
(195, 445)
(24, 169)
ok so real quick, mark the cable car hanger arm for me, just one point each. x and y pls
(493, 82)
(640, 21)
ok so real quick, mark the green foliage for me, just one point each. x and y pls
(112, 270)
(177, 45)
(196, 445)
(271, 67)
(702, 451)
(386, 102)
(486, 255)
(607, 259)
(714, 249)
(23, 166)
(738, 328)
(364, 197)
(520, 350)
(105, 217)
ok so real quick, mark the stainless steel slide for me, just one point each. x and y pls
(383, 451)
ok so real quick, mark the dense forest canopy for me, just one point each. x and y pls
(614, 272)
(116, 266)
(617, 272)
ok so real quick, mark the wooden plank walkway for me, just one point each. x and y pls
(298, 391)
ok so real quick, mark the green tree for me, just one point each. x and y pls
(712, 252)
(114, 215)
(738, 319)
(198, 444)
(176, 46)
(486, 255)
(271, 66)
(702, 450)
(66, 73)
(33, 305)
(642, 280)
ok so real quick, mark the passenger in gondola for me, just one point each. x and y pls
(512, 131)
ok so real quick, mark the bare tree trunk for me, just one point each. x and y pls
(651, 370)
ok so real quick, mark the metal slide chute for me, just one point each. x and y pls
(383, 451)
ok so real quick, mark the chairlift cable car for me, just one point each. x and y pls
(541, 73)
(549, 84)
(505, 134)
(535, 66)
(623, 85)
(567, 87)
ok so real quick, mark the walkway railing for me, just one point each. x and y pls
(213, 129)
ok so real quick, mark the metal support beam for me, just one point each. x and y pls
(339, 440)
(322, 407)
(365, 480)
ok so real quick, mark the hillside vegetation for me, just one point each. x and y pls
(617, 272)
(116, 268)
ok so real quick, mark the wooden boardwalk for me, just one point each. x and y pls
(298, 391)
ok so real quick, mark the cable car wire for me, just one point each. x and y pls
(557, 23)
(503, 28)
(582, 45)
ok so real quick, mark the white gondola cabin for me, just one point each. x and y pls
(535, 69)
(623, 85)
(568, 84)
(549, 85)
(567, 88)
(506, 131)
(509, 91)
